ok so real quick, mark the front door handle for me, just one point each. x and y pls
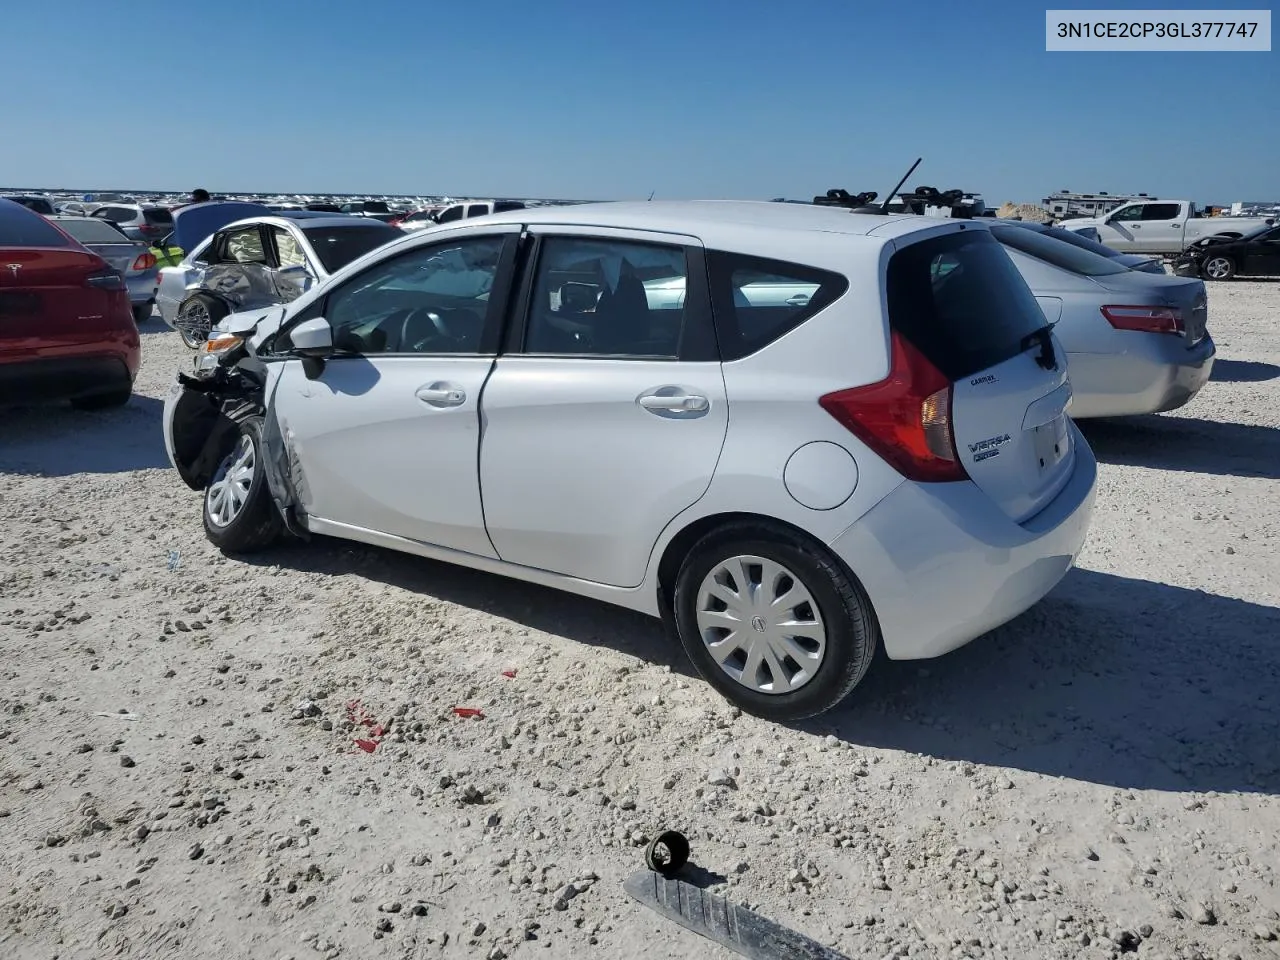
(441, 395)
(674, 403)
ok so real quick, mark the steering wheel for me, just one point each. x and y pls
(411, 327)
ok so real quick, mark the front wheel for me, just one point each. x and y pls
(773, 622)
(239, 515)
(1219, 268)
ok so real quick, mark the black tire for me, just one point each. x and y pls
(852, 633)
(1226, 271)
(141, 313)
(213, 311)
(106, 400)
(257, 524)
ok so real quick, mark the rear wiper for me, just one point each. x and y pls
(1046, 358)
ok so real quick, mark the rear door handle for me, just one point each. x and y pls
(797, 300)
(441, 395)
(674, 403)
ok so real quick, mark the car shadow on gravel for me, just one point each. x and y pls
(1243, 371)
(580, 619)
(1186, 444)
(55, 440)
(1111, 680)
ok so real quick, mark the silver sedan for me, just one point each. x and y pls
(1136, 342)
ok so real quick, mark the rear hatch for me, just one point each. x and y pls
(960, 302)
(1185, 295)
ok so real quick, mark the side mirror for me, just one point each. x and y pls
(312, 338)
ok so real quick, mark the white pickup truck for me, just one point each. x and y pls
(1160, 226)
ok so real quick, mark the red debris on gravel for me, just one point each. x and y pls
(358, 715)
(509, 673)
(469, 712)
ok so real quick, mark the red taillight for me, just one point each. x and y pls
(145, 261)
(905, 418)
(1145, 319)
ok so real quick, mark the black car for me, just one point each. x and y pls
(1255, 254)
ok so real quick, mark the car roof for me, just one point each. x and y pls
(281, 218)
(697, 217)
(314, 215)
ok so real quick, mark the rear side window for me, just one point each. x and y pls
(20, 227)
(1161, 211)
(506, 206)
(1058, 253)
(338, 246)
(756, 300)
(961, 302)
(477, 210)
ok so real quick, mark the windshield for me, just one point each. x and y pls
(1261, 231)
(338, 246)
(1058, 253)
(94, 231)
(20, 227)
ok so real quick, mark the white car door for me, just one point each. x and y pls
(1118, 231)
(1161, 228)
(606, 417)
(386, 437)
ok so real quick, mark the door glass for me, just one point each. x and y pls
(477, 210)
(288, 250)
(1128, 213)
(429, 300)
(607, 298)
(453, 213)
(1160, 211)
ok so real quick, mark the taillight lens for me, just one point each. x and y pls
(905, 418)
(145, 261)
(105, 280)
(1144, 319)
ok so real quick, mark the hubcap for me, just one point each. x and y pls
(1217, 268)
(761, 624)
(229, 490)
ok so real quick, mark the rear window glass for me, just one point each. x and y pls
(1058, 253)
(20, 227)
(1078, 240)
(338, 246)
(94, 231)
(960, 300)
(38, 204)
(158, 215)
(756, 301)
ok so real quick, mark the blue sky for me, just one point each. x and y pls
(568, 99)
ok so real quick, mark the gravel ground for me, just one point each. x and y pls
(182, 769)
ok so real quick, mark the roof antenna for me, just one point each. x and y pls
(651, 193)
(884, 207)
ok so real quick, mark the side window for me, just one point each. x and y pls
(756, 301)
(1160, 211)
(243, 246)
(288, 250)
(450, 213)
(430, 300)
(477, 210)
(599, 297)
(1125, 214)
(208, 253)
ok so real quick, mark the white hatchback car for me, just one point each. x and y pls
(793, 431)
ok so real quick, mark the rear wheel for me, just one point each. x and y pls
(196, 318)
(141, 313)
(773, 622)
(104, 401)
(239, 516)
(1219, 268)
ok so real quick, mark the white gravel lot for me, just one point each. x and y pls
(1102, 775)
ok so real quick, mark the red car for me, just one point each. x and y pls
(66, 327)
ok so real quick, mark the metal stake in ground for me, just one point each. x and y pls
(717, 919)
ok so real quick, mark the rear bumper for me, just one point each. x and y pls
(64, 378)
(142, 288)
(1157, 372)
(943, 564)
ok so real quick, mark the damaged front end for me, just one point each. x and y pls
(204, 411)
